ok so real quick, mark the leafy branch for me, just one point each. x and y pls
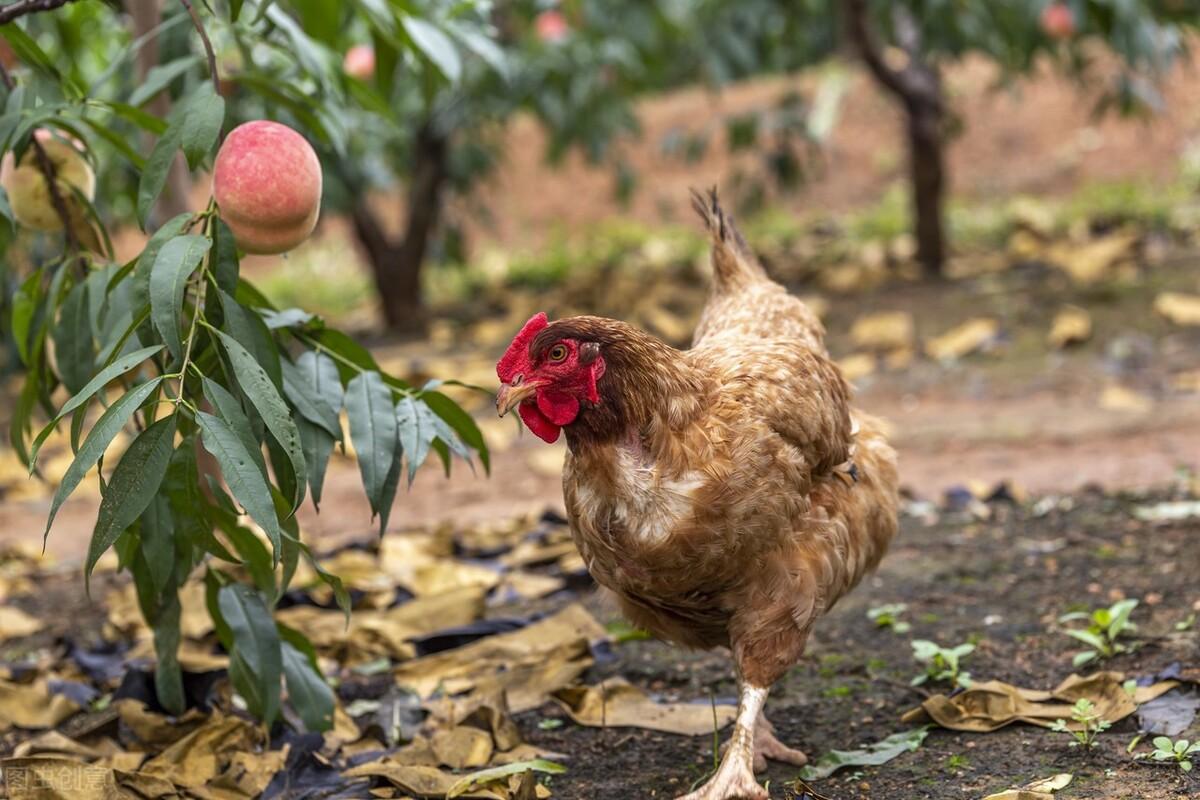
(20, 8)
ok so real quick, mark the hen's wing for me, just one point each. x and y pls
(745, 302)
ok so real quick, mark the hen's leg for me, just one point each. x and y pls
(767, 746)
(734, 778)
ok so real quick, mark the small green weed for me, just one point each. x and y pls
(1084, 714)
(1179, 751)
(1105, 627)
(942, 663)
(888, 616)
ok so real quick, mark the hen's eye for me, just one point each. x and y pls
(558, 352)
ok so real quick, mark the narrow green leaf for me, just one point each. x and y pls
(254, 555)
(230, 410)
(318, 447)
(168, 677)
(248, 329)
(462, 423)
(203, 117)
(225, 262)
(436, 46)
(73, 346)
(415, 437)
(154, 174)
(373, 430)
(235, 9)
(176, 261)
(242, 474)
(298, 386)
(158, 78)
(188, 504)
(132, 487)
(308, 692)
(24, 305)
(256, 646)
(262, 394)
(97, 441)
(322, 374)
(387, 496)
(339, 343)
(80, 398)
(213, 581)
(158, 541)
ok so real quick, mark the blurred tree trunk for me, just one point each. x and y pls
(147, 14)
(918, 87)
(396, 266)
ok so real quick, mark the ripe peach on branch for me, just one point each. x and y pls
(29, 191)
(267, 183)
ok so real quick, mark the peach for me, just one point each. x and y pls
(1058, 22)
(267, 183)
(29, 192)
(551, 26)
(359, 62)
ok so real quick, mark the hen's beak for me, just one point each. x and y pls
(512, 394)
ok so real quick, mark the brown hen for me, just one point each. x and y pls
(727, 495)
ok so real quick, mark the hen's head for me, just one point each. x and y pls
(548, 377)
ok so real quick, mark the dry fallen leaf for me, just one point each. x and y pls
(1096, 260)
(14, 623)
(618, 704)
(1043, 789)
(527, 664)
(1116, 397)
(49, 778)
(206, 752)
(963, 339)
(32, 706)
(1072, 325)
(882, 331)
(462, 747)
(856, 365)
(1181, 309)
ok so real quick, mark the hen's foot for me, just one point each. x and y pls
(733, 780)
(766, 745)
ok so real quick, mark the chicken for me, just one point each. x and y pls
(727, 495)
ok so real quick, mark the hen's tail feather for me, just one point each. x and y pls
(733, 261)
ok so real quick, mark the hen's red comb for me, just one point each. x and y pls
(517, 353)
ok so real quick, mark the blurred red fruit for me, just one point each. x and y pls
(359, 62)
(1058, 22)
(551, 26)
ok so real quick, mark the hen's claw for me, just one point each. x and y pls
(732, 781)
(767, 746)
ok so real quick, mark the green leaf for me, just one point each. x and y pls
(132, 487)
(298, 385)
(140, 296)
(373, 431)
(253, 553)
(346, 348)
(436, 46)
(318, 447)
(202, 120)
(243, 475)
(235, 9)
(262, 394)
(158, 541)
(225, 267)
(158, 78)
(256, 663)
(102, 379)
(230, 410)
(188, 503)
(484, 776)
(308, 692)
(322, 375)
(154, 174)
(414, 437)
(168, 677)
(1088, 638)
(119, 142)
(870, 755)
(1085, 657)
(24, 305)
(97, 441)
(387, 495)
(168, 277)
(247, 327)
(73, 346)
(462, 423)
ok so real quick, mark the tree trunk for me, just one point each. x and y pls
(396, 267)
(928, 179)
(918, 87)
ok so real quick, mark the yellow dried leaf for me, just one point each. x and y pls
(857, 365)
(1072, 325)
(1181, 309)
(32, 706)
(14, 622)
(1116, 397)
(1094, 261)
(882, 331)
(617, 703)
(963, 339)
(462, 747)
